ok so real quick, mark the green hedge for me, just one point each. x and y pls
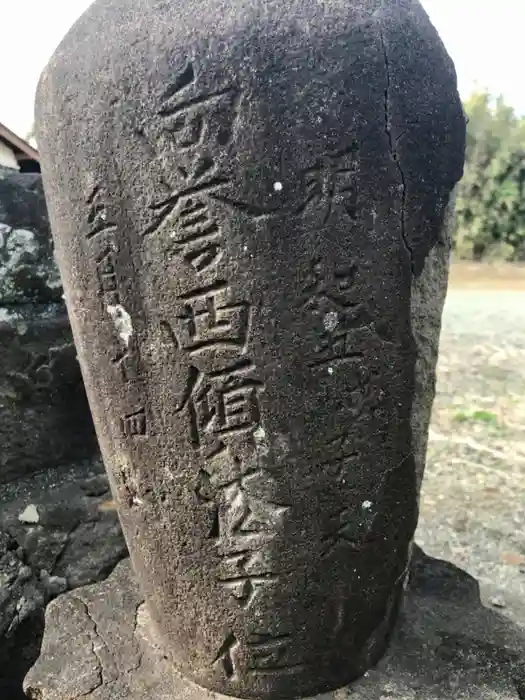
(491, 203)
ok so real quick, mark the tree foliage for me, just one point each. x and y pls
(491, 196)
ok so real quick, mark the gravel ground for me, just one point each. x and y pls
(473, 501)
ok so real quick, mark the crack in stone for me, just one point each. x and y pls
(100, 669)
(393, 152)
(140, 651)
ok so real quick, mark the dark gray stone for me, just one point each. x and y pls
(21, 592)
(55, 535)
(28, 271)
(250, 206)
(44, 415)
(22, 599)
(98, 645)
(76, 536)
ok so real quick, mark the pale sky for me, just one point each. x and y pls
(484, 37)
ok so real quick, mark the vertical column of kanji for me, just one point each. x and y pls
(364, 352)
(206, 325)
(117, 342)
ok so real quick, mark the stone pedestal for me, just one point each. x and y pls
(250, 205)
(97, 645)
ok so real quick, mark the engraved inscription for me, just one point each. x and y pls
(225, 655)
(220, 404)
(246, 525)
(209, 321)
(332, 349)
(326, 188)
(355, 527)
(134, 425)
(330, 185)
(99, 220)
(196, 188)
(331, 294)
(107, 275)
(127, 362)
(270, 654)
(352, 529)
(194, 119)
(195, 127)
(328, 288)
(243, 585)
(199, 242)
(337, 454)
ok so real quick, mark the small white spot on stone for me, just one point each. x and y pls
(330, 370)
(367, 505)
(331, 320)
(497, 601)
(137, 501)
(29, 515)
(245, 248)
(278, 186)
(122, 322)
(259, 434)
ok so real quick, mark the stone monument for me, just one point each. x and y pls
(250, 205)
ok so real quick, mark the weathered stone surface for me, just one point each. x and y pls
(77, 537)
(44, 415)
(253, 243)
(28, 271)
(22, 599)
(97, 645)
(21, 593)
(69, 536)
(45, 418)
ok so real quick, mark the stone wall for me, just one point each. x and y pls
(44, 416)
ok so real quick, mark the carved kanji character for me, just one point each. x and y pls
(221, 404)
(134, 424)
(330, 287)
(210, 322)
(330, 184)
(107, 275)
(99, 220)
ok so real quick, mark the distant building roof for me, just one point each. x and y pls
(24, 152)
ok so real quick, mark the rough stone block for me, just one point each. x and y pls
(44, 415)
(98, 645)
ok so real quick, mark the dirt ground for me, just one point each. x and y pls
(473, 501)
